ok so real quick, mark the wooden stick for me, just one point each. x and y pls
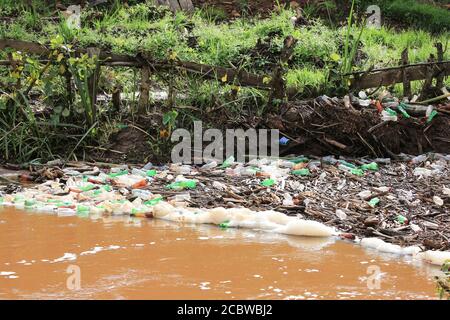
(440, 57)
(144, 90)
(406, 83)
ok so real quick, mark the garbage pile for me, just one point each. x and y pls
(379, 125)
(399, 207)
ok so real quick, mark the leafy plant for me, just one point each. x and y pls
(443, 283)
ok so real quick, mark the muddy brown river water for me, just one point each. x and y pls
(44, 256)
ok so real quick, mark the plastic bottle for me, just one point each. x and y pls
(401, 108)
(341, 214)
(402, 219)
(182, 197)
(180, 169)
(267, 182)
(118, 174)
(246, 171)
(423, 172)
(382, 160)
(148, 166)
(180, 185)
(330, 160)
(364, 103)
(314, 165)
(139, 172)
(139, 184)
(301, 172)
(153, 201)
(142, 194)
(288, 201)
(432, 115)
(228, 162)
(374, 202)
(355, 171)
(348, 164)
(209, 165)
(389, 115)
(438, 201)
(373, 166)
(419, 159)
(365, 194)
(390, 103)
(299, 160)
(284, 141)
(285, 164)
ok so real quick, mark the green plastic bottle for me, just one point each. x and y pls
(224, 225)
(433, 114)
(374, 202)
(228, 162)
(402, 219)
(299, 160)
(301, 172)
(348, 164)
(390, 111)
(268, 182)
(373, 166)
(87, 188)
(357, 172)
(153, 202)
(30, 203)
(118, 174)
(81, 208)
(180, 185)
(403, 111)
(151, 173)
(83, 211)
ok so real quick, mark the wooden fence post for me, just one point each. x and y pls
(144, 89)
(406, 83)
(186, 5)
(116, 98)
(278, 90)
(428, 80)
(440, 56)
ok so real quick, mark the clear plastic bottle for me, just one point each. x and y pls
(142, 194)
(389, 116)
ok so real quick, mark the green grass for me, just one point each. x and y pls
(415, 13)
(202, 37)
(144, 28)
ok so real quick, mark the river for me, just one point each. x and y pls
(43, 256)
